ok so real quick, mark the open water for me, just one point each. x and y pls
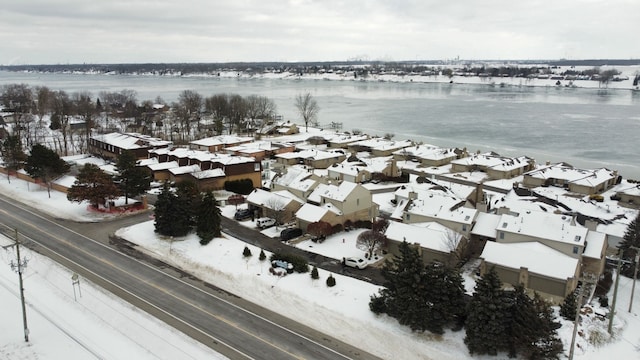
(588, 128)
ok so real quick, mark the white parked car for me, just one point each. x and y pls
(355, 262)
(265, 222)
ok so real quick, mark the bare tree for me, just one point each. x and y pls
(259, 108)
(371, 241)
(457, 246)
(276, 210)
(85, 109)
(61, 106)
(19, 99)
(308, 109)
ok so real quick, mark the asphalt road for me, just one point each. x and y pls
(228, 324)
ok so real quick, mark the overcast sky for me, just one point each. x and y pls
(134, 31)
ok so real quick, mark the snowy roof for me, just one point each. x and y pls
(270, 199)
(258, 146)
(382, 144)
(426, 151)
(208, 174)
(163, 166)
(544, 226)
(221, 140)
(633, 190)
(573, 175)
(311, 213)
(429, 235)
(225, 159)
(595, 243)
(310, 154)
(346, 139)
(181, 170)
(338, 193)
(438, 205)
(295, 178)
(536, 257)
(130, 141)
(486, 225)
(494, 161)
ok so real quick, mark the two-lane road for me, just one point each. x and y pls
(227, 324)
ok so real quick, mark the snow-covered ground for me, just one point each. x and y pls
(341, 311)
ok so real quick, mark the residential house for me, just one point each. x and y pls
(110, 146)
(630, 194)
(494, 165)
(378, 146)
(281, 205)
(234, 167)
(441, 207)
(342, 141)
(316, 159)
(260, 150)
(535, 265)
(575, 180)
(434, 241)
(219, 143)
(428, 155)
(362, 170)
(348, 201)
(299, 182)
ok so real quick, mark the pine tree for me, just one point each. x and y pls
(94, 185)
(631, 239)
(164, 210)
(314, 273)
(262, 256)
(186, 203)
(331, 281)
(569, 306)
(44, 164)
(207, 218)
(132, 180)
(524, 322)
(444, 296)
(548, 345)
(246, 252)
(487, 317)
(12, 154)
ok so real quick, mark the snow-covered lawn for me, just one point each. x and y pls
(341, 311)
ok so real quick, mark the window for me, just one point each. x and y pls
(575, 249)
(501, 235)
(464, 227)
(357, 202)
(256, 167)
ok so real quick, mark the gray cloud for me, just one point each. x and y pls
(77, 31)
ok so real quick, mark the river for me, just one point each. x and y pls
(584, 127)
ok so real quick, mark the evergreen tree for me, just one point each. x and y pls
(94, 185)
(524, 322)
(331, 281)
(569, 306)
(631, 239)
(314, 273)
(44, 164)
(444, 296)
(186, 203)
(246, 252)
(172, 215)
(132, 180)
(547, 345)
(262, 256)
(208, 218)
(487, 317)
(12, 154)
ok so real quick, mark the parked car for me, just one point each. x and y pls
(290, 233)
(355, 262)
(283, 264)
(265, 222)
(242, 214)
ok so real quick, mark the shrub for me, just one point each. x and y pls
(262, 255)
(299, 263)
(377, 305)
(336, 228)
(363, 224)
(246, 252)
(314, 273)
(242, 186)
(331, 281)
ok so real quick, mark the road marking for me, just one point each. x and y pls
(181, 281)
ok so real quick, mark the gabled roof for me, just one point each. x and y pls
(486, 225)
(221, 140)
(438, 205)
(269, 199)
(130, 141)
(310, 154)
(543, 225)
(338, 193)
(536, 257)
(426, 151)
(208, 174)
(184, 169)
(494, 161)
(224, 159)
(429, 235)
(572, 175)
(163, 166)
(295, 178)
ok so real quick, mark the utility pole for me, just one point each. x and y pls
(615, 294)
(18, 267)
(635, 275)
(590, 279)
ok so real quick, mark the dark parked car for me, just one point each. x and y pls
(243, 214)
(290, 233)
